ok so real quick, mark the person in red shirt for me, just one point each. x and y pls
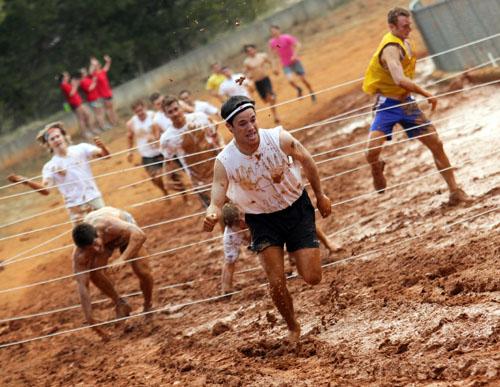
(69, 87)
(103, 87)
(88, 84)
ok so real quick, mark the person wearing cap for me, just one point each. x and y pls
(69, 171)
(260, 172)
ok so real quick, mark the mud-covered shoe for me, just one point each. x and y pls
(459, 196)
(379, 181)
(122, 309)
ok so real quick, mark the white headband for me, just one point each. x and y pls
(239, 109)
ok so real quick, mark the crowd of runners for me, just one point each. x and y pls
(258, 193)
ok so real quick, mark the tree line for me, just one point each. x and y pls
(40, 39)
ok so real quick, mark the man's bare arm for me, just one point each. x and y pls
(292, 147)
(42, 187)
(130, 138)
(107, 64)
(391, 57)
(219, 189)
(136, 239)
(103, 149)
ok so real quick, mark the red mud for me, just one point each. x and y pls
(402, 311)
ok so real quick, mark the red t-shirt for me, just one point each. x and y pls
(91, 95)
(103, 87)
(74, 100)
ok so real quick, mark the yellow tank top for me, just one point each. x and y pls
(378, 79)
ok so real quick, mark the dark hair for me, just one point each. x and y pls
(76, 75)
(138, 102)
(153, 97)
(184, 91)
(393, 14)
(247, 46)
(84, 235)
(230, 214)
(275, 26)
(233, 103)
(169, 100)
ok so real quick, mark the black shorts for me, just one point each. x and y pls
(293, 226)
(149, 165)
(264, 87)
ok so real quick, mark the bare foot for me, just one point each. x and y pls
(459, 196)
(146, 309)
(122, 309)
(293, 334)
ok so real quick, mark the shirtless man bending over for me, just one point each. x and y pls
(102, 232)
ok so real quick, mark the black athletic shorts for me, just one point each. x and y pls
(293, 226)
(264, 87)
(152, 164)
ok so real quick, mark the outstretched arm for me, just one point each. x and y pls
(103, 149)
(107, 64)
(130, 138)
(391, 57)
(219, 189)
(42, 188)
(292, 147)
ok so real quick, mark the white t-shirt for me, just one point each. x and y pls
(205, 107)
(171, 140)
(75, 170)
(162, 121)
(232, 242)
(267, 180)
(143, 133)
(230, 88)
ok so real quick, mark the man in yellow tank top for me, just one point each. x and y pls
(390, 77)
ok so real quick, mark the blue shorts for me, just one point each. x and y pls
(407, 116)
(295, 67)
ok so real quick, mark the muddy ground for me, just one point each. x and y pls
(413, 298)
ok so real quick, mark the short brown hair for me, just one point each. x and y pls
(393, 14)
(169, 100)
(230, 214)
(136, 103)
(43, 134)
(153, 97)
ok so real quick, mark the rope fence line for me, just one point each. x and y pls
(214, 298)
(169, 286)
(477, 41)
(170, 250)
(199, 189)
(9, 261)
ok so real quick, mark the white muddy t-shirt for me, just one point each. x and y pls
(143, 132)
(72, 174)
(230, 88)
(162, 121)
(265, 181)
(205, 107)
(171, 140)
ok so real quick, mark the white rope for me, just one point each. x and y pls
(56, 279)
(318, 163)
(214, 298)
(284, 102)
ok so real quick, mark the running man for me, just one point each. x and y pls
(214, 81)
(103, 86)
(96, 239)
(142, 131)
(69, 171)
(88, 84)
(234, 84)
(259, 171)
(197, 105)
(189, 134)
(389, 77)
(256, 69)
(69, 87)
(286, 48)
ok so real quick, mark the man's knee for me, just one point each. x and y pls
(313, 277)
(372, 155)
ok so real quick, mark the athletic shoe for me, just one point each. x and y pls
(379, 181)
(299, 92)
(459, 196)
(313, 97)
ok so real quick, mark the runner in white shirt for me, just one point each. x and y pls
(69, 171)
(206, 108)
(189, 134)
(142, 131)
(260, 172)
(235, 84)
